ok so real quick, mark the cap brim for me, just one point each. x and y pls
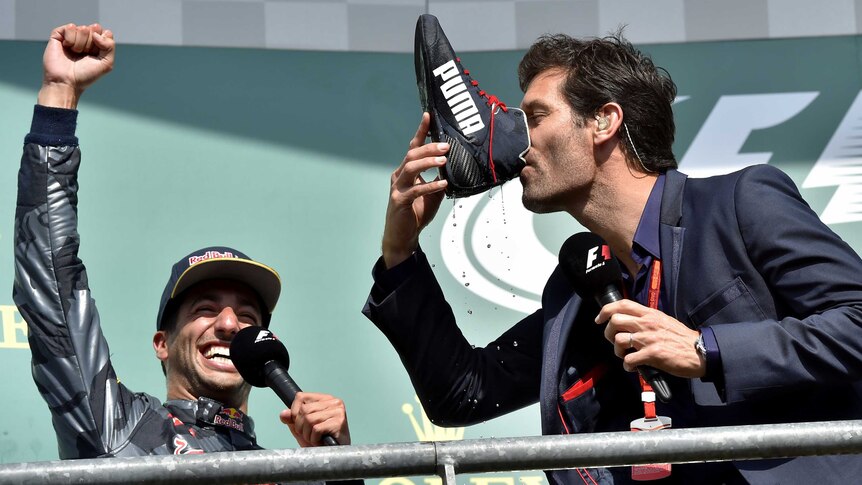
(260, 277)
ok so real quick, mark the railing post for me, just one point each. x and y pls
(446, 471)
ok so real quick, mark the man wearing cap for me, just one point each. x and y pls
(211, 294)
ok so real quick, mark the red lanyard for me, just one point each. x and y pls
(647, 393)
(651, 422)
(654, 284)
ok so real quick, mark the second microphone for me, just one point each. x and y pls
(262, 360)
(593, 271)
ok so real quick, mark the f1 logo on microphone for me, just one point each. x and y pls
(264, 335)
(593, 255)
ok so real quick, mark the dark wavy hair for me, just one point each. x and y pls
(606, 70)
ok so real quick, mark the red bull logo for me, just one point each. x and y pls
(210, 255)
(232, 413)
(231, 418)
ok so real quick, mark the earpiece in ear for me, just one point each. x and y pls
(603, 122)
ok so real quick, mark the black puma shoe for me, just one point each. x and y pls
(487, 139)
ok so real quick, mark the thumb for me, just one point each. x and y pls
(286, 417)
(104, 42)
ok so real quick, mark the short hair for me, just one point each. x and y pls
(170, 324)
(611, 69)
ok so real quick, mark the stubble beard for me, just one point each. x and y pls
(228, 391)
(214, 385)
(539, 199)
(534, 204)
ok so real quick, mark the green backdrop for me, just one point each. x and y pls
(286, 155)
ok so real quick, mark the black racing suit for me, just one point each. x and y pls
(94, 415)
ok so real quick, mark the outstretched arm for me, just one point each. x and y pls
(71, 361)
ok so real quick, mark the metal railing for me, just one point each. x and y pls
(447, 459)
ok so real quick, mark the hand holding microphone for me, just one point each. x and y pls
(262, 360)
(593, 271)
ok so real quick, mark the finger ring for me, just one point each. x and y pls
(631, 344)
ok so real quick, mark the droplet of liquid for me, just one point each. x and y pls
(470, 312)
(466, 284)
(454, 224)
(489, 245)
(515, 343)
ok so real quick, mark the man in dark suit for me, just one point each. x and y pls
(755, 317)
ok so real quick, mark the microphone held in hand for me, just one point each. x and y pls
(262, 360)
(593, 271)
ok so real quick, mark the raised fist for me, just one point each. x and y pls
(75, 57)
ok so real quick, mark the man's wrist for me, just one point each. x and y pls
(700, 347)
(58, 95)
(393, 256)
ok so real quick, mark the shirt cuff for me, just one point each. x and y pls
(714, 371)
(53, 126)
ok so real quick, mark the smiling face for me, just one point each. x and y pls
(196, 352)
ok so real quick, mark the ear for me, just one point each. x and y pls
(160, 345)
(609, 120)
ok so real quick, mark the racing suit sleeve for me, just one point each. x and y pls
(91, 411)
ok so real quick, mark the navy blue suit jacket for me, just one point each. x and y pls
(743, 254)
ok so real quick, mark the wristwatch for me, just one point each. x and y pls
(699, 346)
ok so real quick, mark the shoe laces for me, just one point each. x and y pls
(491, 100)
(494, 103)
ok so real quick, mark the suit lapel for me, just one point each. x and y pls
(556, 335)
(671, 236)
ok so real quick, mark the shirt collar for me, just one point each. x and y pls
(646, 241)
(205, 411)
